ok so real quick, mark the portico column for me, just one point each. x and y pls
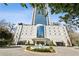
(44, 42)
(35, 42)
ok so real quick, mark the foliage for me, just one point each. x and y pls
(38, 5)
(74, 37)
(9, 26)
(5, 4)
(6, 37)
(41, 50)
(68, 9)
(49, 49)
(77, 43)
(23, 5)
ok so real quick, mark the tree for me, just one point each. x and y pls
(6, 37)
(74, 36)
(11, 27)
(8, 25)
(70, 12)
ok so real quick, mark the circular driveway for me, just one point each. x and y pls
(20, 51)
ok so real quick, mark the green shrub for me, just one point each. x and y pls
(77, 42)
(3, 43)
(6, 37)
(50, 49)
(41, 50)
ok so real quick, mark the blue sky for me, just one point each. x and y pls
(15, 13)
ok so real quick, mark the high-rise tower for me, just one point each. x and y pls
(42, 31)
(40, 16)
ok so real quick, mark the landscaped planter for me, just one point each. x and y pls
(40, 49)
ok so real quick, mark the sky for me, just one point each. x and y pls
(15, 13)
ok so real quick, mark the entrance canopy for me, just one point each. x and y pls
(41, 39)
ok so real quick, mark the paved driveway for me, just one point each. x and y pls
(67, 51)
(60, 51)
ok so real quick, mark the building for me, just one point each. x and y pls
(41, 31)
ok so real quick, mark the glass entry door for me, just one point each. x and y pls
(40, 32)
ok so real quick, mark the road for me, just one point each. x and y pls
(20, 51)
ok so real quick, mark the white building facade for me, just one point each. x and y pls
(42, 30)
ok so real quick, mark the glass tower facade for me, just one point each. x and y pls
(40, 32)
(39, 17)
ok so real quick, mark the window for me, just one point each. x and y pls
(63, 27)
(49, 27)
(16, 36)
(31, 27)
(54, 30)
(53, 27)
(65, 33)
(63, 30)
(66, 37)
(50, 33)
(49, 30)
(55, 33)
(31, 30)
(58, 28)
(22, 33)
(17, 33)
(59, 33)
